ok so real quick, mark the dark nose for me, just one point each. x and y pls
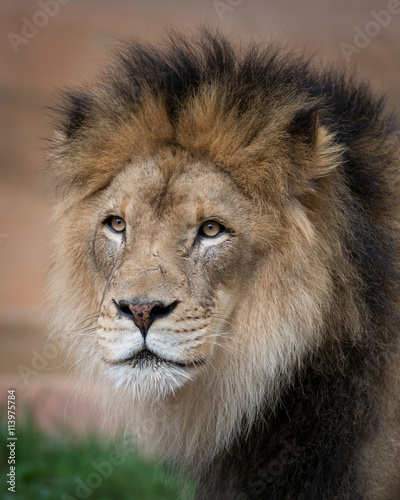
(143, 315)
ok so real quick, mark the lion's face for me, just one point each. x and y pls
(173, 256)
(171, 282)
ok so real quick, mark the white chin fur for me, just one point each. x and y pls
(148, 383)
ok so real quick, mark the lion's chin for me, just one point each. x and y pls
(149, 380)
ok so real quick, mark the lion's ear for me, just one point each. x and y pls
(77, 109)
(304, 127)
(313, 147)
(79, 156)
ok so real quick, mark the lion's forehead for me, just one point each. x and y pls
(189, 192)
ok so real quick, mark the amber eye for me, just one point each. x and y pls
(211, 229)
(116, 224)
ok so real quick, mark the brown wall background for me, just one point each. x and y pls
(69, 48)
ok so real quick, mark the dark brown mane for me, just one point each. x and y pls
(289, 136)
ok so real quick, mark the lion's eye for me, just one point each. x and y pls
(116, 224)
(211, 229)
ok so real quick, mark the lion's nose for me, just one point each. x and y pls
(143, 315)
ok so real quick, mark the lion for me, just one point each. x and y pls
(225, 266)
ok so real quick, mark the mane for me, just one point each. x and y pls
(228, 97)
(250, 111)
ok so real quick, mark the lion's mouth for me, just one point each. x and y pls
(148, 359)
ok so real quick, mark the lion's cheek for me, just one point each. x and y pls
(105, 253)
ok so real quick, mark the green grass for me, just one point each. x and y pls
(65, 467)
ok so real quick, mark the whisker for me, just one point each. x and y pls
(87, 333)
(207, 360)
(88, 319)
(232, 322)
(230, 348)
(80, 359)
(223, 335)
(83, 329)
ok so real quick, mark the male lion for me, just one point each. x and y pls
(226, 267)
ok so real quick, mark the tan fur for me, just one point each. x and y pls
(252, 304)
(255, 322)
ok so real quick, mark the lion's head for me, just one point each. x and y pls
(199, 251)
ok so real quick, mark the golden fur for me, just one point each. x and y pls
(256, 305)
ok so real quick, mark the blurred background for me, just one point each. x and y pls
(49, 44)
